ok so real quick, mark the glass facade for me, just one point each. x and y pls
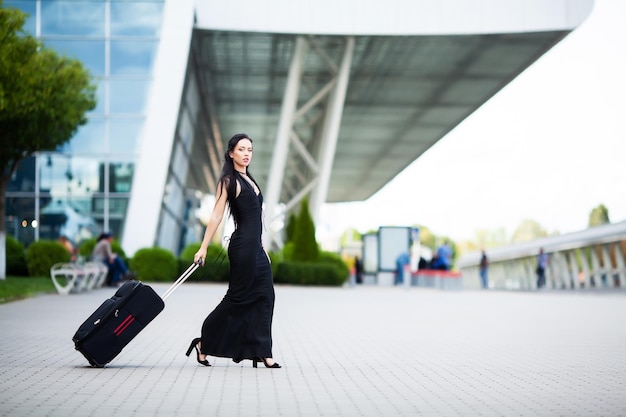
(84, 186)
(177, 224)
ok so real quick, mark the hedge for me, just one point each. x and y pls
(16, 259)
(42, 254)
(154, 264)
(308, 273)
(216, 265)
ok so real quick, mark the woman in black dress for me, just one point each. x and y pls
(240, 327)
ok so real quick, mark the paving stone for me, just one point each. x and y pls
(362, 351)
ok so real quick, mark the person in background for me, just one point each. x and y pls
(444, 254)
(542, 264)
(102, 252)
(402, 261)
(358, 270)
(67, 244)
(484, 263)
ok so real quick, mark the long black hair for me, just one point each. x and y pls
(228, 175)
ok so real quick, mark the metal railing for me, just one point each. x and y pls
(591, 258)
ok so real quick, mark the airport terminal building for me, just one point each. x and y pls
(338, 96)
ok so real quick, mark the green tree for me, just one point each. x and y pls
(492, 238)
(528, 230)
(290, 228)
(44, 98)
(427, 238)
(305, 246)
(349, 236)
(598, 216)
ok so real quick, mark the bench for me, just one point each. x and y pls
(72, 277)
(445, 280)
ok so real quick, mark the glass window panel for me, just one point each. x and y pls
(19, 209)
(169, 230)
(180, 162)
(116, 226)
(28, 7)
(72, 18)
(97, 205)
(128, 96)
(89, 138)
(136, 19)
(124, 135)
(90, 53)
(68, 175)
(20, 215)
(132, 58)
(55, 173)
(173, 197)
(23, 180)
(85, 176)
(185, 131)
(121, 176)
(118, 206)
(62, 215)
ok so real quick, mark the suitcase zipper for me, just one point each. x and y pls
(122, 304)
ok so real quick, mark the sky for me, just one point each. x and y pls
(550, 147)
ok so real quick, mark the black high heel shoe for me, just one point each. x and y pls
(194, 345)
(264, 360)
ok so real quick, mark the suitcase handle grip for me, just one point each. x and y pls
(182, 278)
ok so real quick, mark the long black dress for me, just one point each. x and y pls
(240, 327)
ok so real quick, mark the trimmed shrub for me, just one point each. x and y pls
(305, 246)
(275, 260)
(16, 259)
(308, 273)
(343, 271)
(41, 255)
(287, 251)
(154, 264)
(216, 268)
(86, 247)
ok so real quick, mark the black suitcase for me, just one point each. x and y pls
(120, 318)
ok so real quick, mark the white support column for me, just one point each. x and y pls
(525, 282)
(597, 270)
(607, 267)
(331, 130)
(553, 271)
(573, 270)
(565, 274)
(497, 275)
(531, 269)
(281, 147)
(511, 275)
(585, 264)
(621, 265)
(524, 274)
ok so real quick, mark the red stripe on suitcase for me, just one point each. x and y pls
(123, 325)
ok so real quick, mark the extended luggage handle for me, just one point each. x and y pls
(192, 268)
(182, 278)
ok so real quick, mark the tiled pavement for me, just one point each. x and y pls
(364, 351)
